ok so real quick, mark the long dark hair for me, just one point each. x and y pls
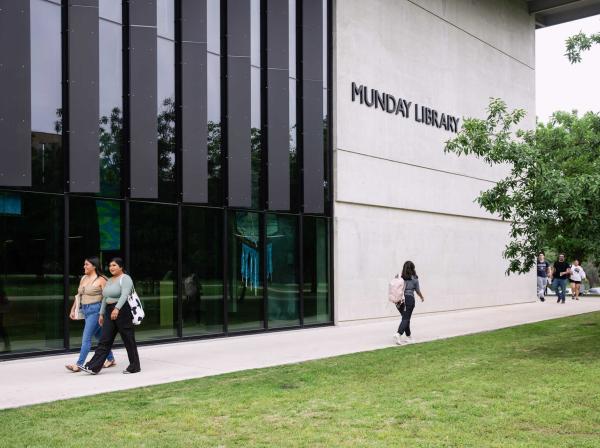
(95, 261)
(408, 270)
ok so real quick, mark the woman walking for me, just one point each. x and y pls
(115, 317)
(577, 276)
(90, 296)
(411, 285)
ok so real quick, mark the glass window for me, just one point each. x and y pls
(31, 272)
(46, 97)
(245, 301)
(202, 289)
(95, 229)
(283, 289)
(215, 195)
(294, 172)
(255, 104)
(111, 98)
(166, 100)
(153, 266)
(315, 289)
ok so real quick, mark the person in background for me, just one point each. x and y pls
(577, 276)
(90, 292)
(411, 286)
(115, 317)
(543, 272)
(561, 271)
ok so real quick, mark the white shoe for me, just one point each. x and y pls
(409, 340)
(397, 339)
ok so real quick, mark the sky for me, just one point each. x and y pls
(560, 85)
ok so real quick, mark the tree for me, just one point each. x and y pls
(579, 43)
(551, 197)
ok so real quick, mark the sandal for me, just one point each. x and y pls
(108, 363)
(73, 368)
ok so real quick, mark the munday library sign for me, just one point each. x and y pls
(399, 106)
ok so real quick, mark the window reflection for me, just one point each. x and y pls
(95, 229)
(153, 266)
(245, 304)
(202, 289)
(166, 100)
(282, 270)
(46, 97)
(316, 270)
(255, 104)
(31, 272)
(111, 103)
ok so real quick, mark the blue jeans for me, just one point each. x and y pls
(560, 288)
(91, 328)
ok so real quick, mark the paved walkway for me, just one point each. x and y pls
(39, 380)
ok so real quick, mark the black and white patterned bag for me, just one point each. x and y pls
(137, 312)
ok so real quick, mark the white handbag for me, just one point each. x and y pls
(137, 312)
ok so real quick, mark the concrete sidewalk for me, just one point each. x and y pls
(39, 380)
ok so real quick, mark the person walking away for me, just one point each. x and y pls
(560, 275)
(411, 286)
(543, 272)
(90, 293)
(115, 317)
(577, 276)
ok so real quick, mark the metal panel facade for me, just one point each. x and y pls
(15, 94)
(278, 105)
(238, 103)
(194, 126)
(142, 101)
(312, 106)
(84, 101)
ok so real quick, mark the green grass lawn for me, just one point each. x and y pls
(536, 385)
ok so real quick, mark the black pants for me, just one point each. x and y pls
(124, 327)
(406, 310)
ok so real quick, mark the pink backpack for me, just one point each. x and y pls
(396, 290)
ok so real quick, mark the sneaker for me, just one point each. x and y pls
(409, 340)
(397, 339)
(127, 372)
(86, 369)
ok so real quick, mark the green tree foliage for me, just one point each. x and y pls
(579, 43)
(551, 196)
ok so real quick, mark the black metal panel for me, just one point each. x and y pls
(15, 94)
(143, 112)
(278, 140)
(193, 21)
(142, 12)
(238, 28)
(194, 122)
(277, 34)
(312, 39)
(239, 174)
(84, 101)
(313, 146)
(238, 132)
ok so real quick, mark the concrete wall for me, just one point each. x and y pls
(397, 195)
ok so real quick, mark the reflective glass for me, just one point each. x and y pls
(316, 270)
(111, 103)
(46, 97)
(255, 104)
(110, 10)
(153, 266)
(283, 289)
(245, 301)
(31, 272)
(214, 129)
(95, 230)
(166, 101)
(202, 289)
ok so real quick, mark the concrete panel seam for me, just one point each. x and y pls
(471, 34)
(416, 166)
